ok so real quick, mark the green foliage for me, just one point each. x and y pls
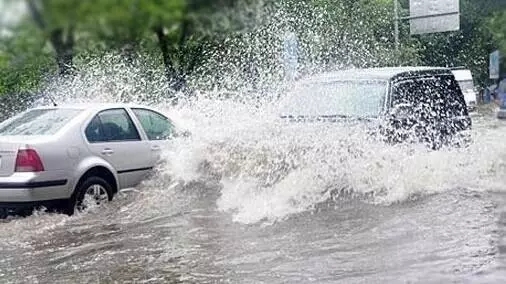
(24, 61)
(468, 47)
(497, 26)
(120, 22)
(182, 36)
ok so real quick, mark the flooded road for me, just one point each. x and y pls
(283, 210)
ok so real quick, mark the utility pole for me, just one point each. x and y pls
(396, 24)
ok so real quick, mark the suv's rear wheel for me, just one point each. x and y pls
(92, 192)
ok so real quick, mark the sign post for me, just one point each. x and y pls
(494, 65)
(396, 27)
(434, 16)
(429, 16)
(291, 56)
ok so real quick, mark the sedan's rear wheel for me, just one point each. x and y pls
(94, 191)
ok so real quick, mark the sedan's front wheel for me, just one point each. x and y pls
(94, 191)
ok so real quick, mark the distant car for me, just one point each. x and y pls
(420, 104)
(62, 157)
(465, 79)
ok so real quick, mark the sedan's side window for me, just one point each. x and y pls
(111, 126)
(156, 126)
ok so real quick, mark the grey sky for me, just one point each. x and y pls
(11, 11)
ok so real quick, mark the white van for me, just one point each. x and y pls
(465, 80)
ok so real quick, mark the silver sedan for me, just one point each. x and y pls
(64, 156)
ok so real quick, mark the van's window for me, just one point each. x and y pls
(156, 126)
(435, 96)
(466, 85)
(354, 98)
(38, 122)
(114, 125)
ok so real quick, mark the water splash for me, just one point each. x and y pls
(270, 169)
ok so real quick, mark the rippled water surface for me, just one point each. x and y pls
(261, 201)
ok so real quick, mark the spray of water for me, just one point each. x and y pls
(269, 169)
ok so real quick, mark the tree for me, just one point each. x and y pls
(25, 61)
(243, 39)
(179, 28)
(497, 27)
(57, 20)
(469, 47)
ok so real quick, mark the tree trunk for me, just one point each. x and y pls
(63, 43)
(196, 57)
(129, 51)
(175, 79)
(64, 49)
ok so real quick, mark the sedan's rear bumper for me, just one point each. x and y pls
(32, 191)
(20, 198)
(32, 184)
(26, 187)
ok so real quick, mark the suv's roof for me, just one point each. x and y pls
(383, 73)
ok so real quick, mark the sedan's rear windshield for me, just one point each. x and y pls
(353, 98)
(38, 122)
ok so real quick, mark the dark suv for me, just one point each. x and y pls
(415, 104)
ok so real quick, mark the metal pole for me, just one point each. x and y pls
(396, 24)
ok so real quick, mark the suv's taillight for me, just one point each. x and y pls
(28, 161)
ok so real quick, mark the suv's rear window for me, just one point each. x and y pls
(38, 122)
(434, 96)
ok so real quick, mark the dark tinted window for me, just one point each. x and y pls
(112, 125)
(156, 126)
(38, 122)
(436, 96)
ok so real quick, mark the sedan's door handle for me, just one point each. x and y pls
(107, 151)
(155, 148)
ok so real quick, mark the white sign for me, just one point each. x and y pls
(434, 16)
(291, 55)
(494, 65)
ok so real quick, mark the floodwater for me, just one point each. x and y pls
(250, 201)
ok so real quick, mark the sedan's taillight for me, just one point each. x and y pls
(28, 161)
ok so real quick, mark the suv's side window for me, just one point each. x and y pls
(156, 126)
(111, 126)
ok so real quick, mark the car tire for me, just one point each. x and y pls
(95, 187)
